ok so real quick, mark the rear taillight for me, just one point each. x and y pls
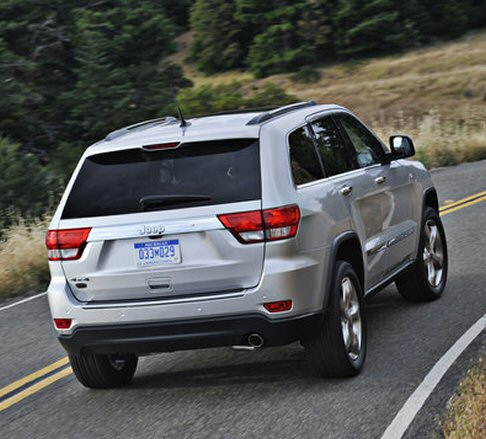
(281, 223)
(266, 225)
(67, 244)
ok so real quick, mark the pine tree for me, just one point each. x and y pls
(316, 28)
(117, 82)
(217, 42)
(279, 48)
(366, 27)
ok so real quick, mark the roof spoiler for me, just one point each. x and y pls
(166, 120)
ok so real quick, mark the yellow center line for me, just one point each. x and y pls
(34, 388)
(462, 206)
(463, 200)
(33, 376)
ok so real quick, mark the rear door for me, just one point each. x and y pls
(155, 233)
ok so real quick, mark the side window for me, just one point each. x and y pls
(367, 148)
(303, 157)
(333, 150)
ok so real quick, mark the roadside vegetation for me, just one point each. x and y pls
(466, 411)
(23, 257)
(435, 94)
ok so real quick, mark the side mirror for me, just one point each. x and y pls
(401, 147)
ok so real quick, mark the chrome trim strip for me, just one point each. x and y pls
(163, 301)
(105, 233)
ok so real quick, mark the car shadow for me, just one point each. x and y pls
(286, 364)
(264, 368)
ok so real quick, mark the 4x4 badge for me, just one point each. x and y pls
(151, 230)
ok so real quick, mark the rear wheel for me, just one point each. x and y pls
(339, 347)
(103, 371)
(426, 281)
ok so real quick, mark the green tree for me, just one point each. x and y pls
(35, 64)
(316, 28)
(279, 48)
(24, 182)
(217, 41)
(117, 82)
(366, 27)
(72, 70)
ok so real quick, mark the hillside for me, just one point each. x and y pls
(437, 94)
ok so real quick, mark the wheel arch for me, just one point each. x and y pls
(431, 199)
(346, 247)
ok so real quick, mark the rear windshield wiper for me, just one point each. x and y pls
(153, 201)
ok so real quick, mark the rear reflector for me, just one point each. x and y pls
(266, 225)
(67, 244)
(63, 323)
(283, 305)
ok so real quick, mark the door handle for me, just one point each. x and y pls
(346, 190)
(380, 180)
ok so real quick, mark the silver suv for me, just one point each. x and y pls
(247, 229)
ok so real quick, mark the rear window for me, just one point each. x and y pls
(195, 174)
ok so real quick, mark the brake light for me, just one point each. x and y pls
(161, 146)
(63, 323)
(282, 305)
(266, 225)
(67, 244)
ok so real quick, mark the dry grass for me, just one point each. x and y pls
(440, 142)
(467, 409)
(436, 94)
(23, 257)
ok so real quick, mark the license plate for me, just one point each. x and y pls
(157, 252)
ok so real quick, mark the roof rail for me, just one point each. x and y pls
(280, 111)
(122, 131)
(237, 111)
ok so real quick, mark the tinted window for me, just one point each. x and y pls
(194, 174)
(367, 148)
(332, 148)
(303, 157)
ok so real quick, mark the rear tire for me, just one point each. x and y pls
(427, 278)
(339, 347)
(103, 371)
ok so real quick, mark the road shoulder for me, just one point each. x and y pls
(426, 422)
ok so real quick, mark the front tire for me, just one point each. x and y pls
(339, 347)
(103, 371)
(427, 279)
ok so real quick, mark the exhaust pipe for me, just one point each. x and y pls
(255, 340)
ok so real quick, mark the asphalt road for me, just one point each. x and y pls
(268, 393)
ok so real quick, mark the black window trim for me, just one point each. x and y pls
(344, 137)
(306, 125)
(347, 146)
(382, 159)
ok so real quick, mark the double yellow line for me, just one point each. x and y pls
(30, 384)
(33, 383)
(461, 204)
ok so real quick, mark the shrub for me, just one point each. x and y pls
(208, 99)
(23, 257)
(306, 75)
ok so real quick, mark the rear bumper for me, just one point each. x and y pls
(187, 334)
